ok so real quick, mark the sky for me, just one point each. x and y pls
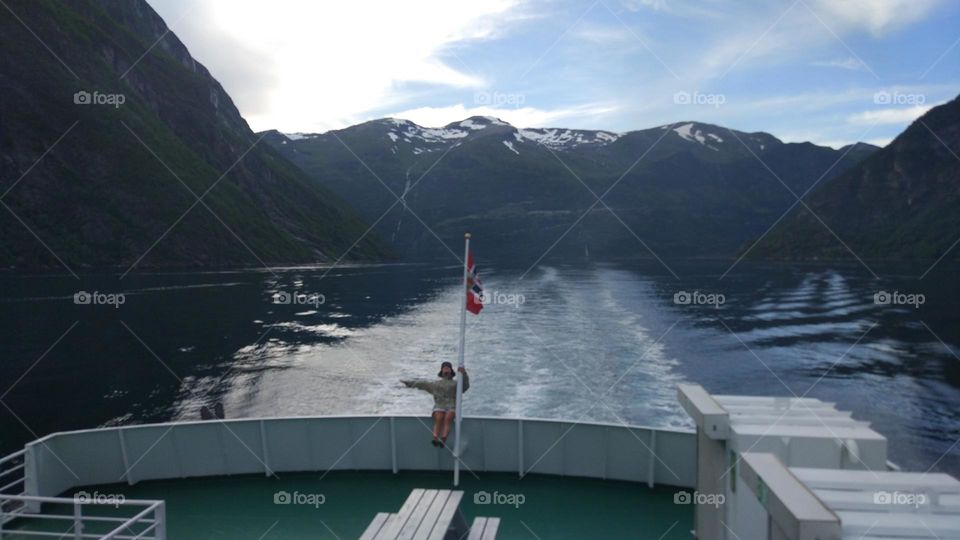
(827, 71)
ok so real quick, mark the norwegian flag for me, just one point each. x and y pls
(474, 287)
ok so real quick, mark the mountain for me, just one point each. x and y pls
(685, 190)
(900, 203)
(110, 132)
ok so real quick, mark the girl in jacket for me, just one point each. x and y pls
(444, 392)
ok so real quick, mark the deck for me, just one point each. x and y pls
(219, 479)
(543, 506)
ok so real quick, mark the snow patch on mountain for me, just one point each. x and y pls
(470, 124)
(558, 139)
(693, 134)
(509, 145)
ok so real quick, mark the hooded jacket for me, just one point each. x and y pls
(444, 391)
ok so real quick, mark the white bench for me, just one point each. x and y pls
(484, 528)
(430, 514)
(427, 514)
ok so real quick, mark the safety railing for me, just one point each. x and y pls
(12, 482)
(87, 517)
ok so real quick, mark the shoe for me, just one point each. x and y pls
(436, 442)
(443, 442)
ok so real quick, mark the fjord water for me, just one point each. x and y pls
(598, 342)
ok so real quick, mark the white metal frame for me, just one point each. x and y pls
(152, 518)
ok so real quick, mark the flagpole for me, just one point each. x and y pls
(463, 333)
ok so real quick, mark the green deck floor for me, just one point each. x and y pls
(243, 507)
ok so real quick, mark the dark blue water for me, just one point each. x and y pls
(594, 342)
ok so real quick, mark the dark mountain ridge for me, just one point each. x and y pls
(686, 189)
(115, 188)
(901, 203)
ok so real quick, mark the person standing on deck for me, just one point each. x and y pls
(444, 392)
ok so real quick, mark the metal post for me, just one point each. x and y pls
(393, 445)
(263, 449)
(77, 521)
(463, 333)
(652, 464)
(123, 454)
(160, 515)
(520, 448)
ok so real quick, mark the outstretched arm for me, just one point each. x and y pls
(466, 379)
(418, 384)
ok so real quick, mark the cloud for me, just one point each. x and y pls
(765, 34)
(636, 5)
(849, 63)
(876, 16)
(325, 64)
(299, 65)
(891, 115)
(603, 34)
(523, 117)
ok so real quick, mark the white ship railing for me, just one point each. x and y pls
(61, 462)
(12, 482)
(151, 521)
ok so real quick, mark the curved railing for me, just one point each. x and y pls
(58, 462)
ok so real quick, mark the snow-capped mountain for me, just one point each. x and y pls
(405, 137)
(691, 187)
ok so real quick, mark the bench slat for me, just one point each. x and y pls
(490, 531)
(484, 528)
(400, 518)
(430, 518)
(378, 524)
(413, 521)
(446, 514)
